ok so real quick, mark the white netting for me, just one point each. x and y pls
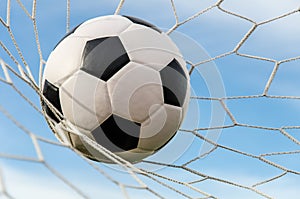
(255, 46)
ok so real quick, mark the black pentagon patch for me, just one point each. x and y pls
(174, 83)
(142, 22)
(68, 34)
(117, 134)
(104, 57)
(51, 93)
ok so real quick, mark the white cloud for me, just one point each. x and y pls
(36, 185)
(282, 188)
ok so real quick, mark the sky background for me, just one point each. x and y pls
(209, 35)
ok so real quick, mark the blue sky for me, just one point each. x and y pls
(215, 33)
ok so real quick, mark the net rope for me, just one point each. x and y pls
(156, 184)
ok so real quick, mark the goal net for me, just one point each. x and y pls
(240, 138)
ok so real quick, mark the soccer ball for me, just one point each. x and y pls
(121, 82)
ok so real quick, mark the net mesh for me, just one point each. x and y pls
(256, 156)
